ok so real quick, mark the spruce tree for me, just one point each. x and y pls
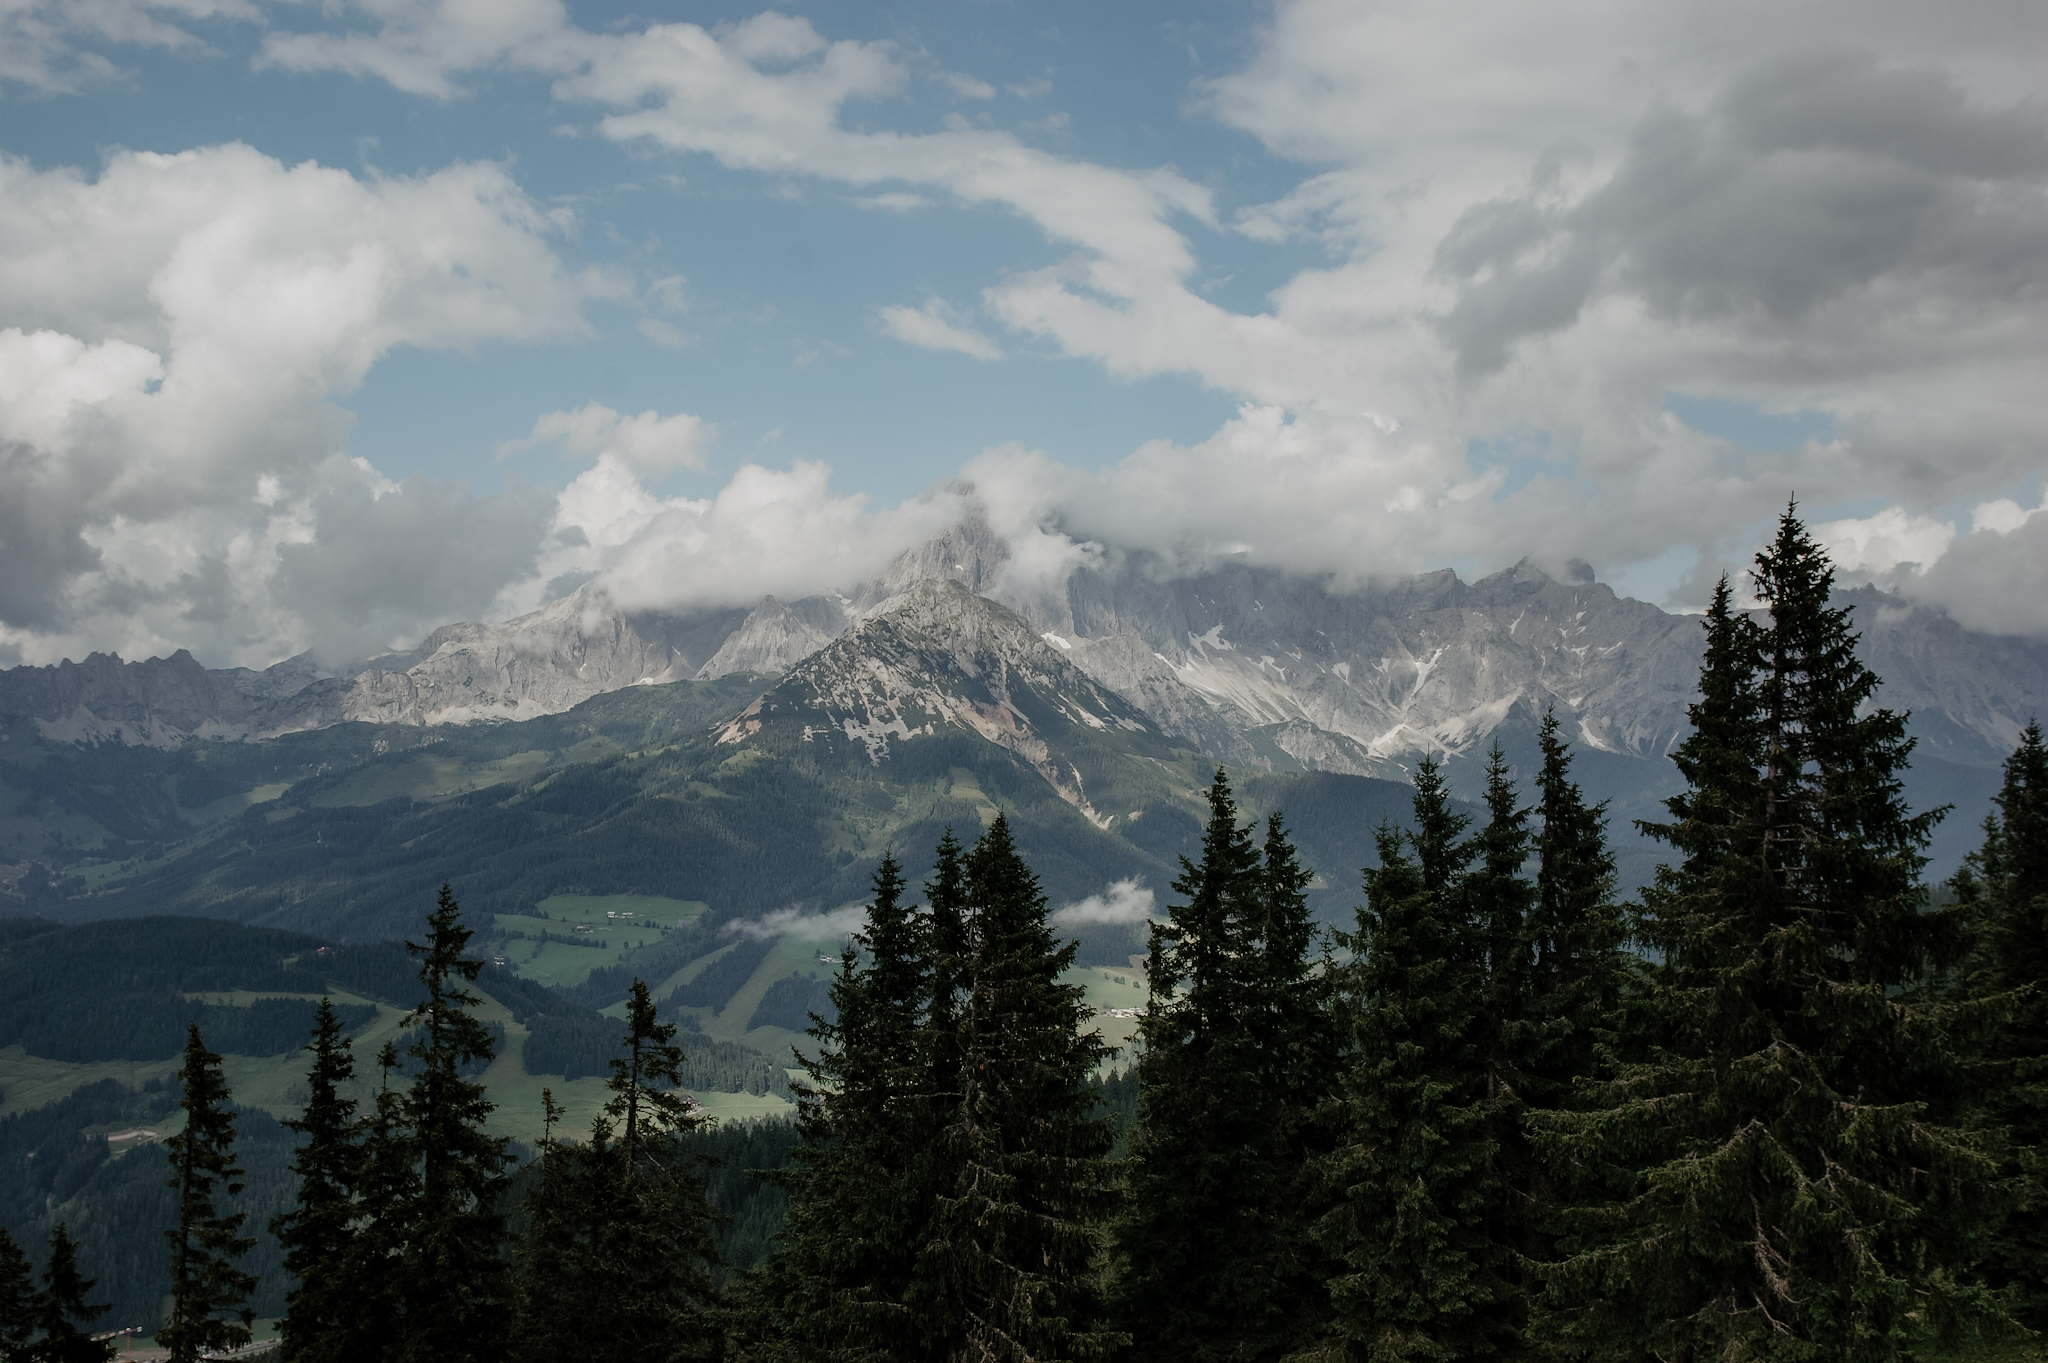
(1577, 934)
(1794, 1186)
(373, 1264)
(1579, 968)
(456, 1284)
(205, 1243)
(317, 1235)
(1500, 905)
(1182, 1230)
(841, 1287)
(17, 1300)
(1411, 1181)
(557, 1295)
(1012, 1252)
(1210, 1244)
(2005, 885)
(652, 1234)
(1293, 1028)
(61, 1309)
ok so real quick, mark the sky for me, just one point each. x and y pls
(322, 324)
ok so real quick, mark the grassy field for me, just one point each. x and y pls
(1109, 987)
(561, 964)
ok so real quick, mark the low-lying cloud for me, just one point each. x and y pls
(1123, 902)
(834, 926)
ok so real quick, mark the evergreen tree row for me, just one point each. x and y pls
(1783, 1108)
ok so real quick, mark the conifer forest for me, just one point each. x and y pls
(1789, 1102)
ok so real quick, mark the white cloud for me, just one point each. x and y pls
(656, 444)
(895, 201)
(932, 326)
(1124, 901)
(421, 48)
(766, 532)
(967, 87)
(181, 325)
(832, 927)
(1882, 542)
(53, 46)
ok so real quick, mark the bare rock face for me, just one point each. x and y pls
(776, 635)
(937, 658)
(1251, 666)
(1423, 664)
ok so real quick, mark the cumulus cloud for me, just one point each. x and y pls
(1541, 223)
(834, 926)
(780, 532)
(1883, 542)
(176, 465)
(933, 327)
(654, 443)
(1123, 901)
(1991, 579)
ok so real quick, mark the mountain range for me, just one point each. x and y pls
(1115, 687)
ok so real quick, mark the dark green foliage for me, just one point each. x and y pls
(317, 1234)
(374, 1268)
(1576, 931)
(1578, 968)
(61, 1310)
(2005, 886)
(714, 985)
(790, 1001)
(1790, 1182)
(1116, 1098)
(209, 1293)
(114, 991)
(577, 1043)
(52, 1167)
(1237, 1046)
(17, 1300)
(619, 1228)
(456, 1291)
(736, 1159)
(1412, 1179)
(1026, 1182)
(843, 1285)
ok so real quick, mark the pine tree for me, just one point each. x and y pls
(456, 1285)
(317, 1235)
(1412, 1180)
(1578, 970)
(557, 1294)
(1210, 1243)
(373, 1264)
(2005, 884)
(1013, 1248)
(652, 1234)
(841, 1287)
(1181, 1235)
(204, 1245)
(1795, 1187)
(61, 1309)
(1500, 903)
(1577, 934)
(17, 1301)
(1293, 1030)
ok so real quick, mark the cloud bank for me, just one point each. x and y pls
(177, 468)
(1542, 232)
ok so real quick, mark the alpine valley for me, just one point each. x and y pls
(699, 800)
(761, 759)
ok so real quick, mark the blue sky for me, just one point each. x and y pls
(328, 323)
